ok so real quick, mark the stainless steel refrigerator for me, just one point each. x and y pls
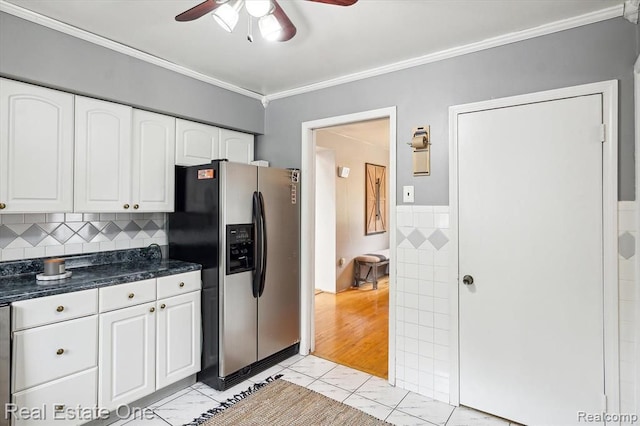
(242, 224)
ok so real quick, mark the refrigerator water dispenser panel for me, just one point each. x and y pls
(240, 248)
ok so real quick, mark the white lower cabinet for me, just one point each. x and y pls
(54, 359)
(60, 401)
(127, 345)
(148, 346)
(127, 355)
(178, 338)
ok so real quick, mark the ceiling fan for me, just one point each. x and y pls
(274, 24)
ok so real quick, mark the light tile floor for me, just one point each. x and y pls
(360, 390)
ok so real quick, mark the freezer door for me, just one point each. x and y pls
(238, 343)
(279, 304)
(238, 307)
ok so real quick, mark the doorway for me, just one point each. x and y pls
(534, 304)
(351, 322)
(308, 222)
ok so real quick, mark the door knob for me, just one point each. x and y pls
(467, 280)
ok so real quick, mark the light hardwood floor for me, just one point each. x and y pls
(352, 328)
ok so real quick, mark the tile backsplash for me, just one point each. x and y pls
(422, 298)
(24, 236)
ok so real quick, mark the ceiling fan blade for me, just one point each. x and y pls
(198, 11)
(337, 2)
(288, 29)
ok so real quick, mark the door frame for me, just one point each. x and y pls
(636, 79)
(308, 222)
(609, 91)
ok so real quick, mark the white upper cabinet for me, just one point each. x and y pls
(196, 143)
(154, 141)
(102, 156)
(236, 146)
(36, 149)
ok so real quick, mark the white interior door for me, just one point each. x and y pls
(531, 236)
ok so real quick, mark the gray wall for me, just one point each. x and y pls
(40, 55)
(602, 51)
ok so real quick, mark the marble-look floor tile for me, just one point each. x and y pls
(262, 376)
(463, 416)
(379, 390)
(169, 398)
(331, 391)
(372, 408)
(426, 408)
(345, 378)
(296, 378)
(403, 419)
(292, 360)
(155, 421)
(222, 396)
(313, 366)
(185, 408)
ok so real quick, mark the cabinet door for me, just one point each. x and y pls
(60, 400)
(36, 149)
(178, 338)
(126, 362)
(236, 146)
(102, 156)
(196, 143)
(154, 144)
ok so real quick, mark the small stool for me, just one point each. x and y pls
(373, 261)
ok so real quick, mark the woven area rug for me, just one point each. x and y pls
(281, 403)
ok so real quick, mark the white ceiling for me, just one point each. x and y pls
(372, 132)
(331, 42)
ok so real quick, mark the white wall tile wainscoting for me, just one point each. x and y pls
(422, 301)
(26, 236)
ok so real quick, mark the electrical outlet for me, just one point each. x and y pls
(407, 194)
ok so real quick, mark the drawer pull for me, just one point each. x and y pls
(181, 285)
(60, 308)
(60, 351)
(163, 306)
(3, 206)
(136, 206)
(58, 407)
(126, 206)
(152, 310)
(131, 295)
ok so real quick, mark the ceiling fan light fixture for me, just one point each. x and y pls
(270, 27)
(227, 14)
(258, 8)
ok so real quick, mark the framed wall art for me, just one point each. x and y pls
(376, 199)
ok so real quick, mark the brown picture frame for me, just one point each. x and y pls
(375, 211)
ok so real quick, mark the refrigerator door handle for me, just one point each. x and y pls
(257, 244)
(263, 243)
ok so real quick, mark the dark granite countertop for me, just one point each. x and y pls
(18, 279)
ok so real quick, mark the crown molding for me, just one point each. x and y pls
(553, 27)
(119, 47)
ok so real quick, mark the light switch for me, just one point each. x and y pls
(407, 194)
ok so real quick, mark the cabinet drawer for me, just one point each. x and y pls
(60, 400)
(174, 285)
(53, 351)
(130, 294)
(52, 309)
